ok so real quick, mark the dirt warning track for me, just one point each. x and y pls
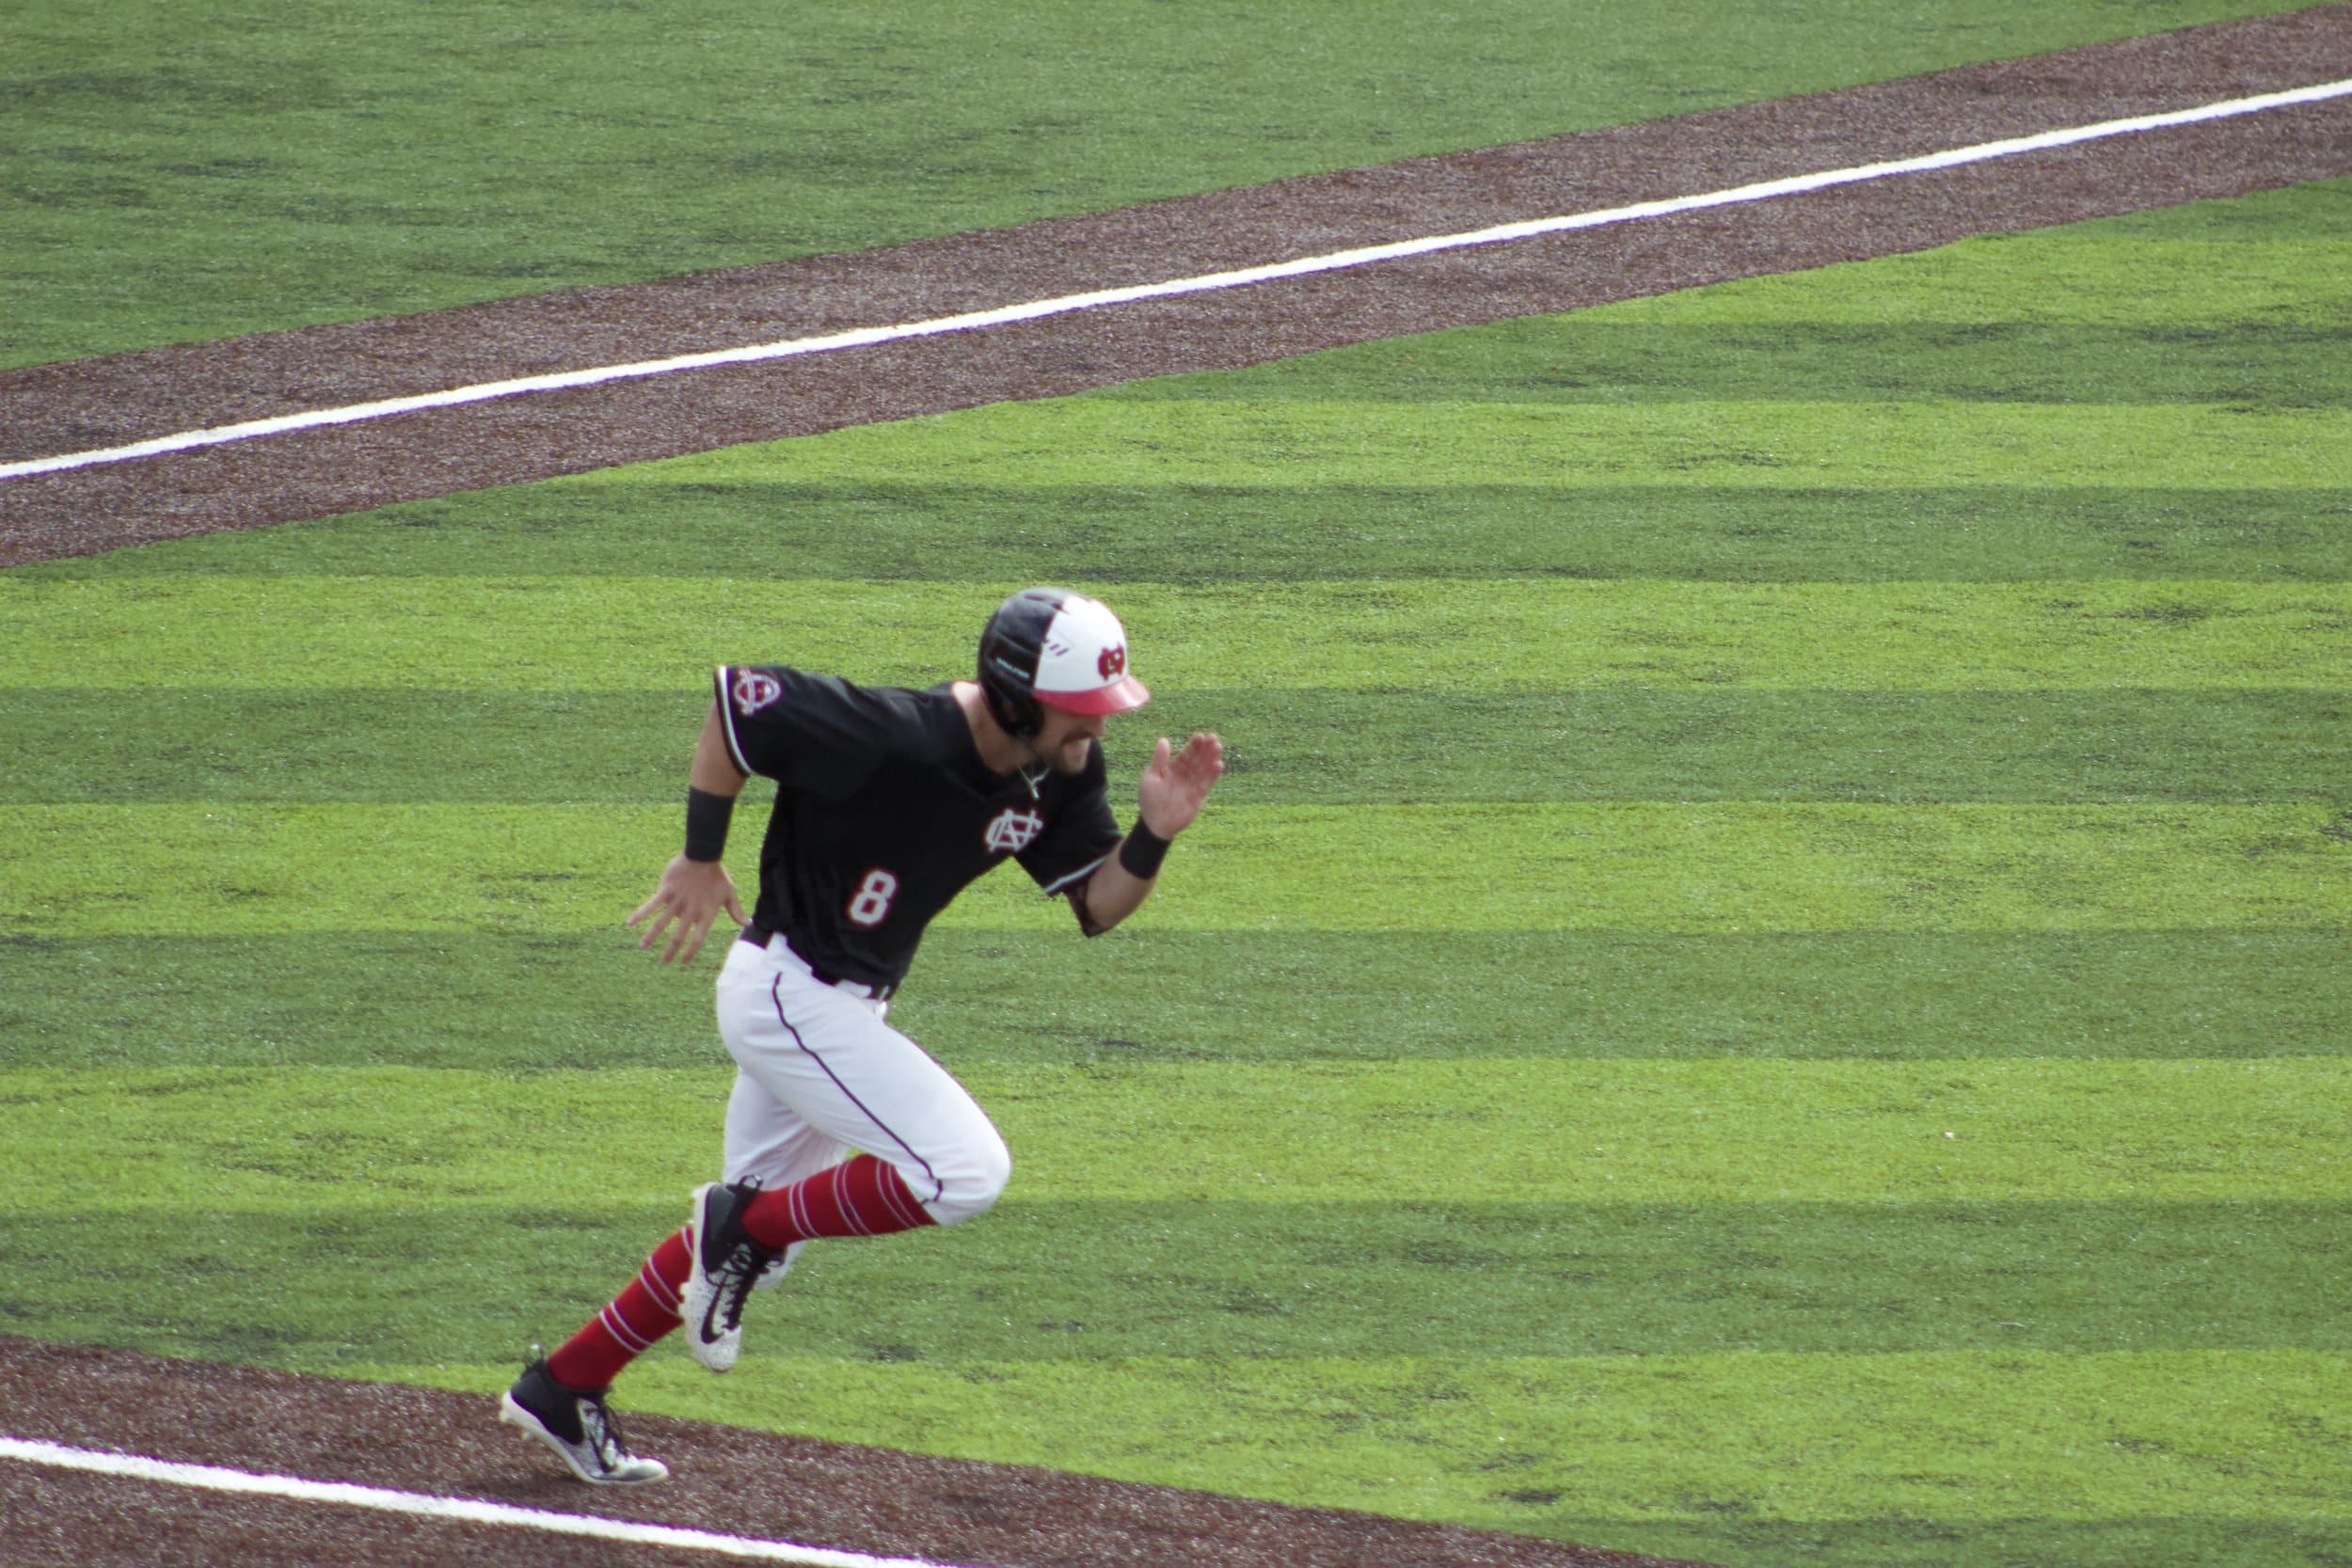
(82, 405)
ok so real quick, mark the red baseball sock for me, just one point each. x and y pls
(858, 1197)
(640, 1315)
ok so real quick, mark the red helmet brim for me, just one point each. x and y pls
(1118, 697)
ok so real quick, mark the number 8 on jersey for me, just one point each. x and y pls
(872, 900)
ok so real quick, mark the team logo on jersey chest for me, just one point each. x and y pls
(755, 691)
(1013, 830)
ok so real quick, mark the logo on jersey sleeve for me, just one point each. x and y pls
(1013, 830)
(755, 691)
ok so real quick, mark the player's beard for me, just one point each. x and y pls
(1059, 757)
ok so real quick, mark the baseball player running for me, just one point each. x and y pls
(888, 802)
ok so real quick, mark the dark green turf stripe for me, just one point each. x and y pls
(591, 1001)
(1601, 358)
(1179, 1279)
(1105, 534)
(1734, 1534)
(1324, 746)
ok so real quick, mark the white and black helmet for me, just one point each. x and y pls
(1049, 647)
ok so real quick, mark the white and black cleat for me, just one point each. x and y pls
(723, 1262)
(576, 1424)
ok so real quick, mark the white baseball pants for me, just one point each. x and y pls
(819, 1074)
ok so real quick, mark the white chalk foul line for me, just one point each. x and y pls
(458, 1509)
(1337, 260)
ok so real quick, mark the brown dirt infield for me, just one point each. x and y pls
(83, 405)
(772, 1487)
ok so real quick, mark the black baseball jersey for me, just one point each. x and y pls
(884, 813)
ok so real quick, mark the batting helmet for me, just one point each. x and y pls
(1048, 647)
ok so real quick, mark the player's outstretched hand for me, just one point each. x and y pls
(1176, 782)
(692, 895)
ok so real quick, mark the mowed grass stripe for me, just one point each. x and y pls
(1499, 1130)
(1621, 356)
(585, 634)
(1281, 746)
(2268, 260)
(195, 871)
(2229, 317)
(1254, 1279)
(1908, 1542)
(1277, 443)
(590, 999)
(1199, 533)
(1954, 1437)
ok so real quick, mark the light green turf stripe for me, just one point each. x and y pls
(1965, 1436)
(1494, 1130)
(620, 633)
(1644, 866)
(1761, 445)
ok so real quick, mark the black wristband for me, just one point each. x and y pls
(707, 818)
(1141, 852)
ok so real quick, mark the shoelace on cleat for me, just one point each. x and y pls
(738, 1271)
(602, 1433)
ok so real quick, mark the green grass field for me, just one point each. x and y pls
(372, 158)
(1767, 984)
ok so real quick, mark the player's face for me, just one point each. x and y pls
(1066, 739)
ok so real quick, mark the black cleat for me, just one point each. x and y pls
(576, 1424)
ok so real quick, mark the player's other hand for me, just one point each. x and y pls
(1175, 782)
(688, 899)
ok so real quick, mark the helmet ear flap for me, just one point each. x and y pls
(1016, 713)
(1010, 649)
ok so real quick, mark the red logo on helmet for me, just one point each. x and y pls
(1113, 662)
